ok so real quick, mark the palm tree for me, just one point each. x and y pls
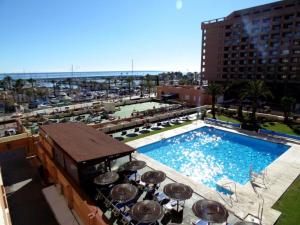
(54, 86)
(148, 83)
(32, 82)
(142, 86)
(129, 81)
(7, 80)
(214, 90)
(29, 94)
(108, 86)
(235, 89)
(69, 82)
(19, 84)
(287, 104)
(255, 90)
(41, 93)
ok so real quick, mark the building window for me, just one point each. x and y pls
(296, 52)
(267, 10)
(276, 19)
(285, 52)
(273, 61)
(255, 22)
(284, 60)
(287, 34)
(288, 17)
(266, 20)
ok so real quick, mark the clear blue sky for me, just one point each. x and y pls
(51, 35)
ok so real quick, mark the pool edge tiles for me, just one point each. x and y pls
(208, 154)
(279, 177)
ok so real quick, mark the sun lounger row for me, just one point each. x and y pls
(222, 123)
(278, 134)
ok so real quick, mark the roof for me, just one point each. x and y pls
(84, 143)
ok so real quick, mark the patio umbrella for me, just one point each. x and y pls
(211, 211)
(178, 192)
(153, 177)
(245, 223)
(106, 178)
(124, 192)
(147, 211)
(134, 165)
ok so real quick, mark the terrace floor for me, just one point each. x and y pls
(279, 178)
(24, 186)
(186, 216)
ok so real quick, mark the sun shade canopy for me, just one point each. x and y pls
(83, 143)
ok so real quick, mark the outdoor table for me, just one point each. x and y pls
(147, 211)
(106, 178)
(178, 192)
(210, 211)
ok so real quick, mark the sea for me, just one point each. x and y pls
(62, 75)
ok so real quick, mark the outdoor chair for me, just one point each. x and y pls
(161, 198)
(172, 205)
(124, 133)
(126, 218)
(134, 177)
(120, 208)
(99, 195)
(136, 129)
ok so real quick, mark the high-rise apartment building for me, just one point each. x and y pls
(261, 42)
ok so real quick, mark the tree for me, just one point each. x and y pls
(54, 86)
(41, 93)
(255, 90)
(7, 82)
(18, 86)
(287, 104)
(108, 86)
(149, 83)
(69, 82)
(214, 90)
(129, 81)
(234, 90)
(29, 94)
(32, 82)
(142, 87)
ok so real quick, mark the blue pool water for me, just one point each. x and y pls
(208, 154)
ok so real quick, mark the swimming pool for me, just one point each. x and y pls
(208, 154)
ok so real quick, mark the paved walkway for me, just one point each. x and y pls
(279, 178)
(26, 202)
(59, 207)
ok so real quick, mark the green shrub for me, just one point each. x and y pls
(296, 128)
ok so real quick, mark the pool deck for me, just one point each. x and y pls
(280, 175)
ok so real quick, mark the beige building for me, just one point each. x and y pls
(192, 95)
